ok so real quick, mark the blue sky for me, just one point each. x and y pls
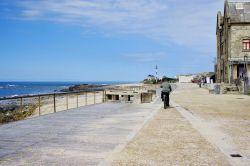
(105, 40)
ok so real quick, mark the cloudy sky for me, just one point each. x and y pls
(105, 40)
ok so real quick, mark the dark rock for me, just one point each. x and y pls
(82, 87)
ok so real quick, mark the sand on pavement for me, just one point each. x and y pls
(228, 113)
(169, 139)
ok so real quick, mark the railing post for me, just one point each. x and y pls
(54, 102)
(103, 96)
(94, 96)
(39, 105)
(67, 101)
(77, 100)
(21, 103)
(86, 98)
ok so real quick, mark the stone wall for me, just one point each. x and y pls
(238, 33)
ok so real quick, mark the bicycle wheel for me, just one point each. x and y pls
(165, 101)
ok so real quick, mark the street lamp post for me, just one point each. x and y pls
(245, 76)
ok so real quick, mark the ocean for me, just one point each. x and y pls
(11, 89)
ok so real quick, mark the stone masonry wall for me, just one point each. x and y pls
(238, 33)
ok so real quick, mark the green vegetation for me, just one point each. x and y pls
(151, 79)
(16, 113)
(167, 79)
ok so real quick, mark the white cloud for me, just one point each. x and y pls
(31, 13)
(146, 57)
(187, 23)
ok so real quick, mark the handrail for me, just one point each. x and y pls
(48, 94)
(60, 101)
(92, 99)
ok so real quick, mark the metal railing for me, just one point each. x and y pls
(54, 102)
(41, 104)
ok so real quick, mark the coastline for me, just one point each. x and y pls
(13, 109)
(87, 98)
(14, 89)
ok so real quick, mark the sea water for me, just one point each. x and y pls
(11, 89)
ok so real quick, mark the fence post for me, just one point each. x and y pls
(39, 105)
(67, 101)
(77, 100)
(21, 103)
(54, 102)
(86, 98)
(94, 96)
(103, 96)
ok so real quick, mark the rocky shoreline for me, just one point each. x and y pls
(84, 87)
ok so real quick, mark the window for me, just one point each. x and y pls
(221, 50)
(239, 6)
(246, 45)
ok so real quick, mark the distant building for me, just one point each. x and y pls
(151, 77)
(186, 78)
(233, 41)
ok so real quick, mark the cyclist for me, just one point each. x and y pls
(166, 89)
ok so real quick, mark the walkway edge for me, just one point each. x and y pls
(132, 135)
(212, 134)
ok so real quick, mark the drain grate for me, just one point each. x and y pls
(240, 98)
(235, 155)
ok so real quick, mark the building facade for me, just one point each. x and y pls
(233, 42)
(186, 78)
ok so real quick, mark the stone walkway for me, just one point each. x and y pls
(199, 129)
(202, 129)
(224, 120)
(168, 140)
(83, 136)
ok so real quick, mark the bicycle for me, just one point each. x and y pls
(165, 101)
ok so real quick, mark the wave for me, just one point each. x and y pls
(10, 85)
(63, 87)
(15, 95)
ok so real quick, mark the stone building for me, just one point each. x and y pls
(233, 41)
(186, 78)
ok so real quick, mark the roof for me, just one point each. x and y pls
(238, 11)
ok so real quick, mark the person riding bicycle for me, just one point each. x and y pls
(166, 89)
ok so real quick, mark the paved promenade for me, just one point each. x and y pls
(199, 129)
(83, 136)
